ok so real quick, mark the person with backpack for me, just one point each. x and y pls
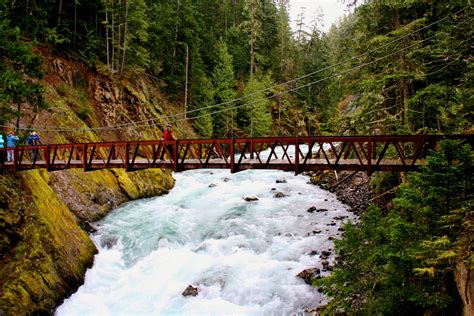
(168, 137)
(11, 143)
(34, 140)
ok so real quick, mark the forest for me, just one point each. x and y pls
(238, 69)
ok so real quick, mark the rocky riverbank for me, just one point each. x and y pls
(351, 188)
(44, 253)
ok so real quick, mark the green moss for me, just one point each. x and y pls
(144, 183)
(50, 257)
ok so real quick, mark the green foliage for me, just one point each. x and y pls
(255, 119)
(19, 72)
(202, 103)
(399, 263)
(223, 82)
(422, 86)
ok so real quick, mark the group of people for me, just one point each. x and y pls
(34, 140)
(12, 140)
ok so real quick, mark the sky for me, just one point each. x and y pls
(331, 10)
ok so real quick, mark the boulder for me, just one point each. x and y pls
(251, 198)
(212, 185)
(190, 291)
(309, 274)
(311, 209)
(279, 195)
(281, 181)
(324, 255)
(326, 266)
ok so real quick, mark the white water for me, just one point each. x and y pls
(243, 256)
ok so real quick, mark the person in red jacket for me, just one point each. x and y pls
(168, 137)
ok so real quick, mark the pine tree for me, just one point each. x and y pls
(223, 82)
(402, 262)
(255, 119)
(19, 73)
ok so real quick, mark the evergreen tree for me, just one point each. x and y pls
(223, 81)
(19, 72)
(203, 99)
(402, 262)
(255, 119)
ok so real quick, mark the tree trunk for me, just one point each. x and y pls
(18, 115)
(107, 36)
(60, 11)
(465, 284)
(75, 22)
(124, 39)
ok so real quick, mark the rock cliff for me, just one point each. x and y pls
(44, 249)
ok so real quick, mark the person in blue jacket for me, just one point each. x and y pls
(11, 143)
(2, 145)
(34, 140)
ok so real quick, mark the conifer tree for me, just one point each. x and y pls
(255, 119)
(223, 81)
(19, 72)
(402, 262)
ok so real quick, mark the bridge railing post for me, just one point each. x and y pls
(84, 157)
(232, 156)
(369, 156)
(15, 158)
(47, 157)
(297, 155)
(175, 155)
(251, 149)
(127, 156)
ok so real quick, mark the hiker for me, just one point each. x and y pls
(168, 137)
(11, 143)
(34, 140)
(2, 145)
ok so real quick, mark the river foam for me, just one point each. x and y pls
(243, 256)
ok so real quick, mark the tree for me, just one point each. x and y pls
(255, 119)
(19, 73)
(201, 105)
(253, 26)
(223, 82)
(402, 262)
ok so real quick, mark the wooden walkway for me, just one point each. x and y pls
(296, 154)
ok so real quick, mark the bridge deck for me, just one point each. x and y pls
(297, 154)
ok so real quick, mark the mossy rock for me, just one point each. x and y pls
(144, 183)
(52, 253)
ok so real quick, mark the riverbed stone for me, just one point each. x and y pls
(311, 209)
(251, 198)
(324, 255)
(190, 291)
(309, 274)
(279, 195)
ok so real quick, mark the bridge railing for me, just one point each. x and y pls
(363, 153)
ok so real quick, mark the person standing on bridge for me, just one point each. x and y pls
(2, 145)
(34, 140)
(168, 137)
(11, 143)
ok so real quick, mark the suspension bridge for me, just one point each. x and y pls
(295, 154)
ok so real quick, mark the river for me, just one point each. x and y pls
(243, 256)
